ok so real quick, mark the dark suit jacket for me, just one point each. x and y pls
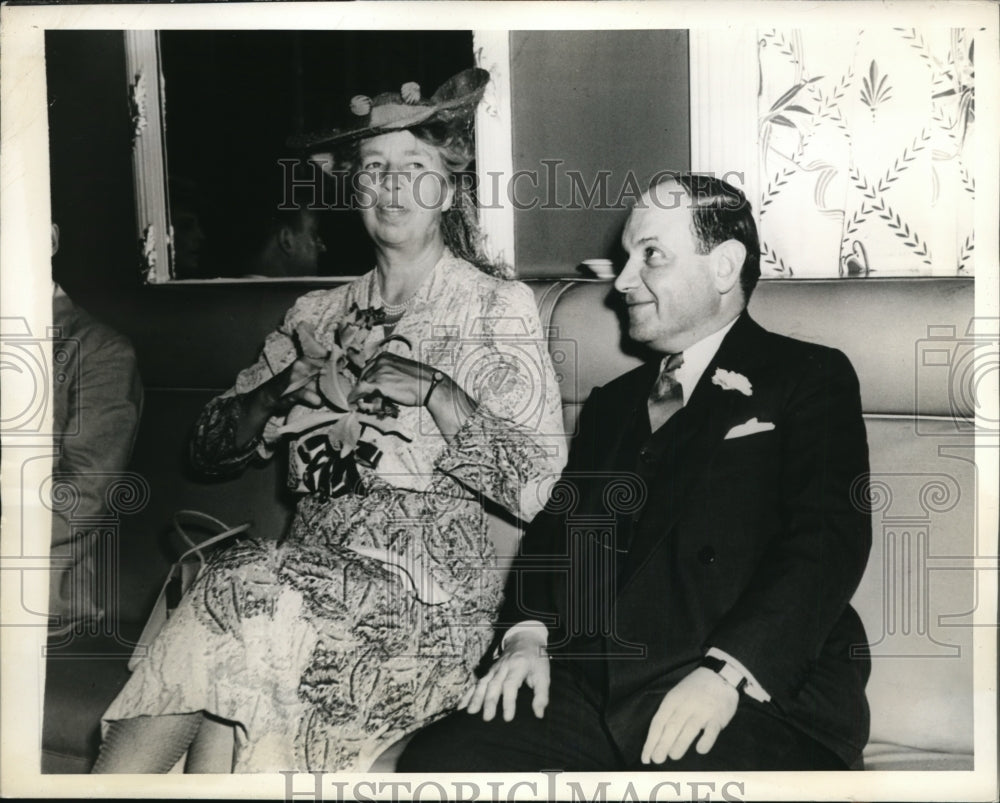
(754, 545)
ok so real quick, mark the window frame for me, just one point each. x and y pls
(146, 95)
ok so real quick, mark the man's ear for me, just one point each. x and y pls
(55, 238)
(286, 239)
(727, 262)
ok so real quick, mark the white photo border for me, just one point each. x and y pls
(26, 293)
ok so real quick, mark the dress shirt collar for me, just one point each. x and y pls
(696, 359)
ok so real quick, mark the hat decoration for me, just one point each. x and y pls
(455, 99)
(410, 92)
(361, 105)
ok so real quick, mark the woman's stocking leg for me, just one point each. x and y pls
(147, 744)
(212, 748)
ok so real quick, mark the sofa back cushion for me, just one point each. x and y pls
(912, 343)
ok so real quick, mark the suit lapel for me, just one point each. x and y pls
(618, 410)
(696, 432)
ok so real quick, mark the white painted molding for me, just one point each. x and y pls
(149, 169)
(724, 85)
(494, 145)
(494, 150)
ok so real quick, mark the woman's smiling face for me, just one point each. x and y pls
(403, 189)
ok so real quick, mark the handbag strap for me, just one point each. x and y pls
(207, 522)
(163, 606)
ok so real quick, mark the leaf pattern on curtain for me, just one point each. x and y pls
(866, 152)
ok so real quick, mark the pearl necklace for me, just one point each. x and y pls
(391, 310)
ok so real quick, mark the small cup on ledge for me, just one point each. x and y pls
(601, 268)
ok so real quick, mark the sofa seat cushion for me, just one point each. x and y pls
(888, 756)
(918, 592)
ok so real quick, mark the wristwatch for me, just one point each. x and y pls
(725, 670)
(435, 381)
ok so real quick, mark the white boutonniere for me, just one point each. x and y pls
(730, 380)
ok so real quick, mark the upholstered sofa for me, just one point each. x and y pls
(911, 342)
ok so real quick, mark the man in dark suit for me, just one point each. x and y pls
(696, 592)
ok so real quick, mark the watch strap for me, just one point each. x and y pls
(726, 671)
(435, 381)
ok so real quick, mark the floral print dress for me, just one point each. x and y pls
(366, 622)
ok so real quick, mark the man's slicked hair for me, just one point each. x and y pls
(720, 212)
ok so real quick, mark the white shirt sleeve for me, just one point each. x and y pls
(527, 626)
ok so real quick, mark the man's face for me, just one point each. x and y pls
(308, 245)
(667, 285)
(188, 240)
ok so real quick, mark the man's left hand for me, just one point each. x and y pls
(701, 703)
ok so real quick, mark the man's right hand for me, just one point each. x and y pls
(524, 661)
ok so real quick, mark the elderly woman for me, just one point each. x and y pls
(411, 396)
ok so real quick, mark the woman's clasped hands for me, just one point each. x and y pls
(414, 384)
(394, 377)
(303, 374)
(302, 383)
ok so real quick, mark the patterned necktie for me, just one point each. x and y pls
(667, 396)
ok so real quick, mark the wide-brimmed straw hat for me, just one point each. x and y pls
(455, 99)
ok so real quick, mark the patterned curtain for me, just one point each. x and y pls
(866, 152)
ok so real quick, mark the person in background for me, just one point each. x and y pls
(189, 236)
(290, 246)
(411, 396)
(96, 414)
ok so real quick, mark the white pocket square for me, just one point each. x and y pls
(749, 428)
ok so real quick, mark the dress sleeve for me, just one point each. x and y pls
(213, 445)
(514, 442)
